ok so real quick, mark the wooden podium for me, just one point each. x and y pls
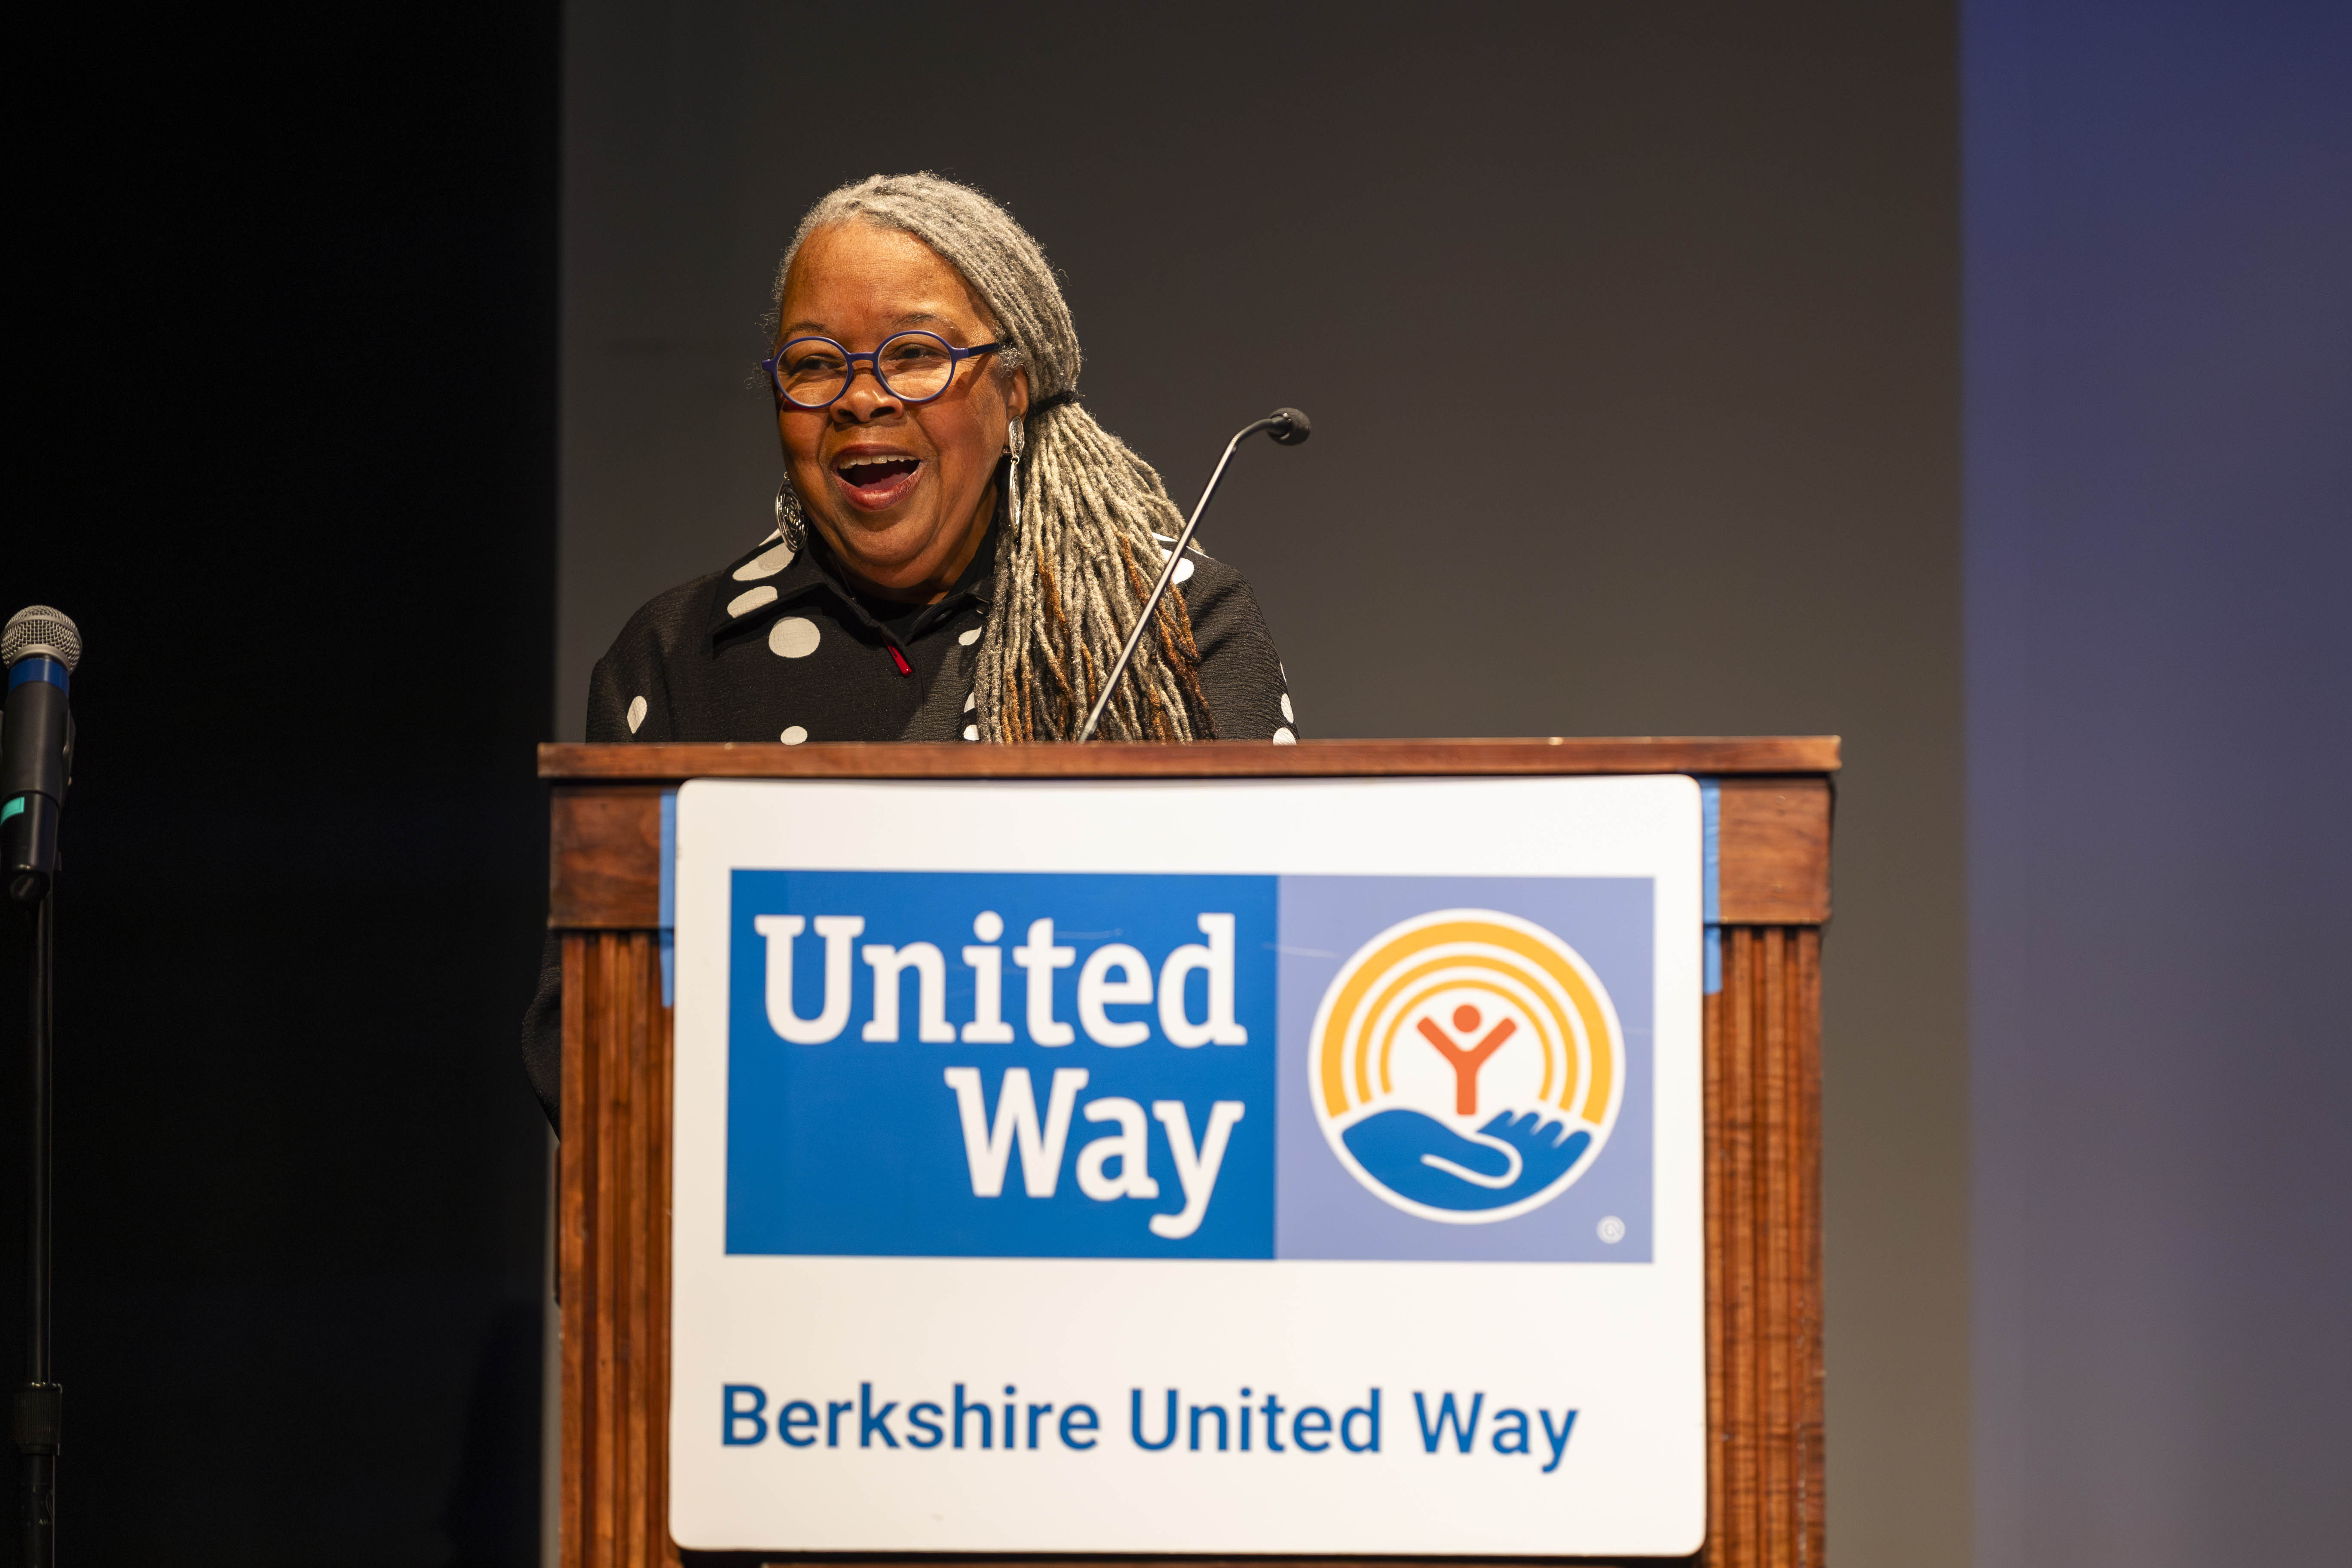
(1762, 1086)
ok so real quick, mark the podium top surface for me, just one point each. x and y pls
(605, 869)
(1713, 754)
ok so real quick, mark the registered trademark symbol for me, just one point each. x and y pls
(1613, 1229)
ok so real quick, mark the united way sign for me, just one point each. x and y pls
(1224, 1166)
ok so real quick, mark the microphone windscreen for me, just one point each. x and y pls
(36, 628)
(1292, 428)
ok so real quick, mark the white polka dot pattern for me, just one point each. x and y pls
(969, 637)
(1288, 716)
(794, 637)
(794, 736)
(1285, 738)
(750, 599)
(636, 713)
(970, 701)
(767, 563)
(971, 731)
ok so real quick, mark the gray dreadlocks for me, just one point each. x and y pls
(1077, 558)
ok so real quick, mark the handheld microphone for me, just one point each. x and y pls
(40, 648)
(1288, 428)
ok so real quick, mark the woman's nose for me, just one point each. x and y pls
(865, 398)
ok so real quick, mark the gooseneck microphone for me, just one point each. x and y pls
(1288, 428)
(40, 648)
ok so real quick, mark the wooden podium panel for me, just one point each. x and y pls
(1761, 1066)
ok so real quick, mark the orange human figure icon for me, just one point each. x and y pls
(1467, 1063)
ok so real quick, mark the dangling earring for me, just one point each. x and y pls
(790, 523)
(1013, 441)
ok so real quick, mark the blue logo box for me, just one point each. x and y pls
(1089, 1065)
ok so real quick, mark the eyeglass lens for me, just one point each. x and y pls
(914, 366)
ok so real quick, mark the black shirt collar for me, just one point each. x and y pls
(812, 569)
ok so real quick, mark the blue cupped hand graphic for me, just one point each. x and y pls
(1421, 1159)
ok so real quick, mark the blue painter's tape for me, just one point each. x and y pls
(669, 897)
(669, 859)
(40, 667)
(1710, 807)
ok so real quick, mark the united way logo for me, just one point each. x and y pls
(1466, 1065)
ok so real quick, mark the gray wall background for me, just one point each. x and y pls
(1727, 502)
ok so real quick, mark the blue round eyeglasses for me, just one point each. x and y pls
(913, 367)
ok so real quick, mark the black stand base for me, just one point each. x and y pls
(39, 1414)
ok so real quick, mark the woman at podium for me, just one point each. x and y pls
(959, 550)
(958, 547)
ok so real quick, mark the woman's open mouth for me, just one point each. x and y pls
(877, 482)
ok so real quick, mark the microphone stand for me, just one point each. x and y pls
(40, 1402)
(40, 646)
(1289, 427)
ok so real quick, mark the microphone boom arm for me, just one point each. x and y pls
(1289, 427)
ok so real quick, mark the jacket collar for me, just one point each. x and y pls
(772, 573)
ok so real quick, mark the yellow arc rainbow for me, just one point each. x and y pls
(1468, 950)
